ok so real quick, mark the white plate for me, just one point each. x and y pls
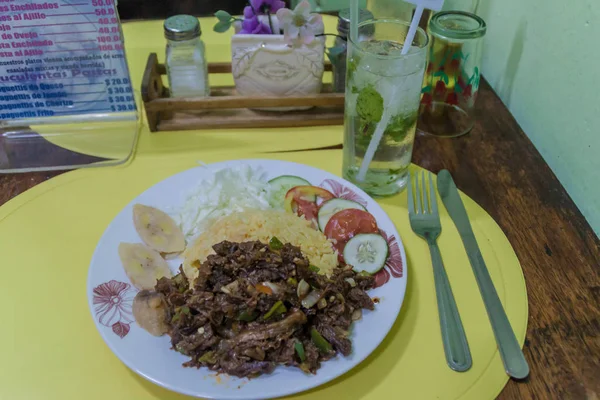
(110, 296)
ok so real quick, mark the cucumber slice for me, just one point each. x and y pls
(333, 206)
(281, 185)
(366, 252)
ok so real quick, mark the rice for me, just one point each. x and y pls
(262, 225)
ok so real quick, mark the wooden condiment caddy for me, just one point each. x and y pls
(226, 109)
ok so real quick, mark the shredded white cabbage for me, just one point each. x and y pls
(229, 190)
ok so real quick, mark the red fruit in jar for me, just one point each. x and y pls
(467, 92)
(346, 224)
(454, 64)
(440, 88)
(461, 82)
(429, 68)
(426, 99)
(452, 98)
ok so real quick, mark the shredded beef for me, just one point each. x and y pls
(243, 315)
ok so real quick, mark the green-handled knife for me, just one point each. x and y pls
(510, 351)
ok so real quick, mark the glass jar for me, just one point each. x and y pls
(186, 65)
(338, 62)
(453, 73)
(383, 88)
(461, 5)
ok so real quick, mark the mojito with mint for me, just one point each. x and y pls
(383, 89)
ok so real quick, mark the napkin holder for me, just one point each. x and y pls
(224, 109)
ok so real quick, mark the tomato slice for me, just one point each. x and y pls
(302, 200)
(346, 224)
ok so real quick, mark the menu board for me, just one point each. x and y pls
(62, 58)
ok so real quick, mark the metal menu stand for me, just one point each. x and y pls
(66, 99)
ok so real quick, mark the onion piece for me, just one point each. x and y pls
(230, 287)
(322, 304)
(351, 281)
(303, 288)
(311, 299)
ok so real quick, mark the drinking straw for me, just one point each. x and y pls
(374, 143)
(385, 118)
(410, 36)
(354, 21)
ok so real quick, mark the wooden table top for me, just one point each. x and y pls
(498, 167)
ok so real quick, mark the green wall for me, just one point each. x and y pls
(543, 59)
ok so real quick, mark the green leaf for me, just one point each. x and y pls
(445, 77)
(456, 55)
(352, 65)
(400, 125)
(222, 26)
(457, 87)
(369, 104)
(445, 57)
(426, 89)
(223, 16)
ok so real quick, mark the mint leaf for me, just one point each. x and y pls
(369, 104)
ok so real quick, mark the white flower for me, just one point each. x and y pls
(300, 26)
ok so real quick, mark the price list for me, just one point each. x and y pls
(62, 58)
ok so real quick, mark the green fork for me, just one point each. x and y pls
(425, 222)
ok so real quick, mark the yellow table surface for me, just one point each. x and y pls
(51, 349)
(145, 37)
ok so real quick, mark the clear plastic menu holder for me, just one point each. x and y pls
(66, 99)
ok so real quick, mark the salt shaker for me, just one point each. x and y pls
(338, 65)
(186, 65)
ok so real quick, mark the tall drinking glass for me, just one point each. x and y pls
(383, 89)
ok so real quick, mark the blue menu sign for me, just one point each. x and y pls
(62, 58)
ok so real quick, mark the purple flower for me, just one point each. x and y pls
(255, 27)
(263, 7)
(248, 13)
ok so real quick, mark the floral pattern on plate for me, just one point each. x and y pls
(342, 192)
(112, 303)
(393, 265)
